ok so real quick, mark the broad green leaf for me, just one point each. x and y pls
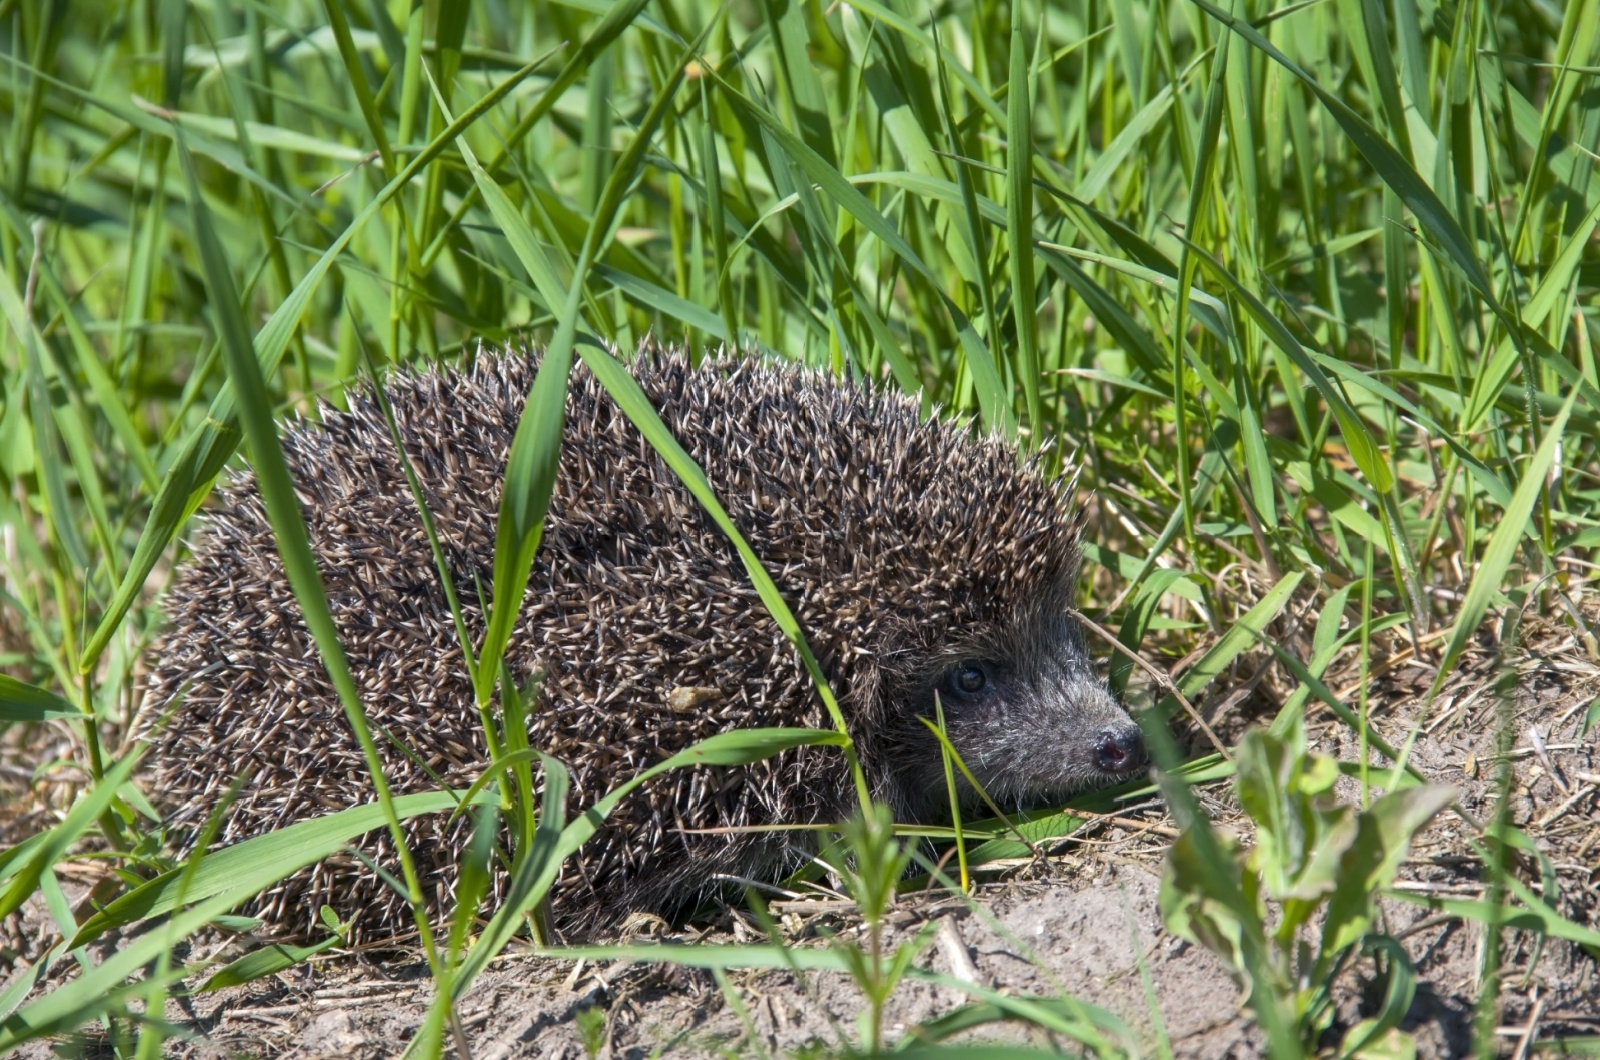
(1385, 832)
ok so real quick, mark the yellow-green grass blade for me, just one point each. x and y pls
(269, 137)
(1129, 139)
(278, 496)
(908, 114)
(533, 873)
(657, 298)
(536, 447)
(1535, 915)
(1560, 285)
(1078, 1020)
(1019, 222)
(524, 243)
(1102, 1032)
(716, 208)
(1208, 311)
(974, 235)
(912, 29)
(1580, 26)
(71, 427)
(1239, 636)
(1486, 477)
(797, 70)
(47, 441)
(1515, 524)
(1200, 187)
(247, 868)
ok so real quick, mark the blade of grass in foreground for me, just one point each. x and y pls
(536, 446)
(625, 390)
(247, 868)
(1200, 187)
(277, 493)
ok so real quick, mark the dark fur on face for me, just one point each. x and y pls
(1027, 713)
(907, 550)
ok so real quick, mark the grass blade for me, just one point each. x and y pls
(288, 524)
(1515, 524)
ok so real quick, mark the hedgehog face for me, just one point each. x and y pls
(1029, 717)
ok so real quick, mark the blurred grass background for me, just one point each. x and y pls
(1307, 288)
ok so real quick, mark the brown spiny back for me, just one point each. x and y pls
(897, 541)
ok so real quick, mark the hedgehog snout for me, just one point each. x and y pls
(1120, 749)
(1096, 742)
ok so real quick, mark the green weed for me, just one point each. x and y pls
(1322, 864)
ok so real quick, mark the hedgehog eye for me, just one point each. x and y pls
(968, 679)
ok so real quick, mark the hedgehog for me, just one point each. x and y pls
(926, 565)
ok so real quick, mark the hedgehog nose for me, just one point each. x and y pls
(1120, 749)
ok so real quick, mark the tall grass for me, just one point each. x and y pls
(1308, 289)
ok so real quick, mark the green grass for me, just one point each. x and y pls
(1310, 290)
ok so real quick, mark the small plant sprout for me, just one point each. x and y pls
(871, 861)
(1323, 863)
